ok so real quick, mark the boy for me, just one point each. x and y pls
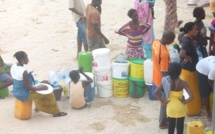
(79, 90)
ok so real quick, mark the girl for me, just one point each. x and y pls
(24, 90)
(189, 59)
(173, 87)
(134, 31)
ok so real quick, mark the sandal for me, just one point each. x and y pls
(60, 114)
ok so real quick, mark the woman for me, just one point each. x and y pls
(189, 58)
(23, 88)
(145, 13)
(173, 87)
(201, 38)
(134, 30)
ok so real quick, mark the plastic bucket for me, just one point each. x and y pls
(4, 92)
(137, 69)
(120, 70)
(57, 93)
(120, 88)
(105, 89)
(101, 57)
(195, 127)
(91, 94)
(151, 92)
(103, 74)
(91, 75)
(85, 60)
(136, 87)
(148, 70)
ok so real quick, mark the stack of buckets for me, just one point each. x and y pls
(136, 80)
(148, 74)
(102, 70)
(120, 78)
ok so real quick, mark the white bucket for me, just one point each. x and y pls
(101, 57)
(148, 71)
(105, 89)
(103, 74)
(120, 70)
(82, 77)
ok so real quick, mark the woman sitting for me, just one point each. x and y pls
(134, 31)
(24, 90)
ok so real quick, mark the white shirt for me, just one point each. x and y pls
(17, 72)
(78, 5)
(206, 66)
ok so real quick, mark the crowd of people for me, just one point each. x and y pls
(193, 74)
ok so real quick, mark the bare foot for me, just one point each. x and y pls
(163, 126)
(60, 114)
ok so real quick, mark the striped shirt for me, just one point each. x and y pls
(134, 36)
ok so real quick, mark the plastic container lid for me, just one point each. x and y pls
(135, 79)
(137, 61)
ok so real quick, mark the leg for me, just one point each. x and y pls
(163, 119)
(6, 81)
(171, 128)
(79, 45)
(180, 125)
(82, 33)
(206, 102)
(79, 40)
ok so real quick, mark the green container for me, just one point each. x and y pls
(3, 92)
(85, 60)
(136, 87)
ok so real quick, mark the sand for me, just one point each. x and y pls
(46, 31)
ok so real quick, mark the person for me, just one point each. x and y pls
(78, 12)
(134, 30)
(79, 90)
(206, 76)
(174, 100)
(24, 90)
(212, 36)
(145, 14)
(171, 18)
(200, 40)
(96, 39)
(212, 6)
(161, 60)
(189, 59)
(4, 75)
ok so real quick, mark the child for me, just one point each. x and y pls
(173, 87)
(79, 90)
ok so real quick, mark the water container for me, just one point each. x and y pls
(53, 78)
(103, 74)
(120, 70)
(121, 58)
(148, 71)
(105, 89)
(64, 75)
(136, 87)
(120, 88)
(195, 127)
(175, 56)
(137, 68)
(101, 57)
(199, 53)
(85, 60)
(22, 110)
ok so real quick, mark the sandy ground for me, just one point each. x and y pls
(46, 31)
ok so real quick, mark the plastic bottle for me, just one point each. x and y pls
(53, 78)
(175, 56)
(121, 58)
(64, 75)
(199, 53)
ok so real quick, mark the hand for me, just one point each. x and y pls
(106, 40)
(183, 101)
(42, 87)
(81, 69)
(187, 60)
(165, 102)
(83, 19)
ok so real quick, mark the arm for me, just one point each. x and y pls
(164, 74)
(187, 88)
(27, 83)
(79, 13)
(158, 89)
(99, 9)
(89, 80)
(183, 55)
(98, 31)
